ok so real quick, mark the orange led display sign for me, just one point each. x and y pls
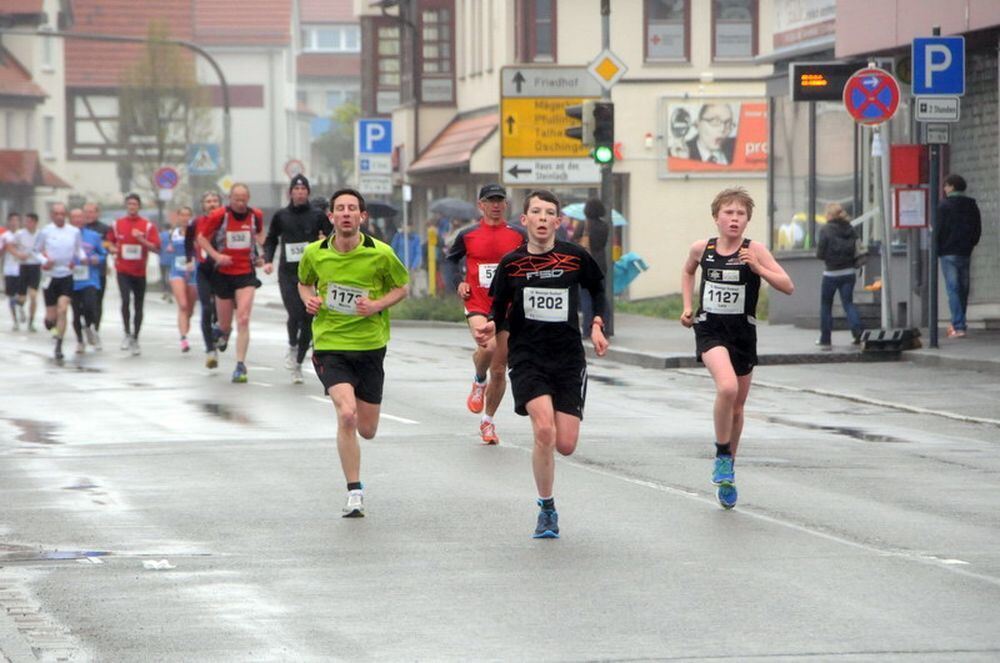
(819, 81)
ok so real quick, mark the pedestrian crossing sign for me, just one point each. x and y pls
(203, 159)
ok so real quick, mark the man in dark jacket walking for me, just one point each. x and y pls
(837, 249)
(294, 227)
(959, 228)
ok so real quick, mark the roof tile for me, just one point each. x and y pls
(15, 80)
(454, 146)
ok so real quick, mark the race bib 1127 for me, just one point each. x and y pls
(724, 298)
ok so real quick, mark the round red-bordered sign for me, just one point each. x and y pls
(871, 96)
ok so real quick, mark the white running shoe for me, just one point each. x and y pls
(297, 374)
(355, 507)
(290, 358)
(134, 346)
(97, 341)
(126, 343)
(91, 335)
(80, 348)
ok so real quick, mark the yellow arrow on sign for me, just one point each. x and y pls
(535, 127)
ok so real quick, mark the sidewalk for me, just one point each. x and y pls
(658, 343)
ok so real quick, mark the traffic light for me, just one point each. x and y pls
(584, 132)
(604, 132)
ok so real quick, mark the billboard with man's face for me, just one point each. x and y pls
(714, 136)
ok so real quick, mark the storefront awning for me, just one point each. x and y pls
(453, 147)
(23, 168)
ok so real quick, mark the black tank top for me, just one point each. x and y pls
(729, 288)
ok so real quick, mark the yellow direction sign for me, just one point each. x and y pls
(535, 127)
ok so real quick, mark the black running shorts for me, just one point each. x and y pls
(31, 277)
(564, 381)
(58, 287)
(362, 369)
(224, 286)
(12, 285)
(742, 348)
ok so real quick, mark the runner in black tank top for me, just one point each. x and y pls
(727, 314)
(726, 326)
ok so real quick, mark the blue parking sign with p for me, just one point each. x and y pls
(375, 136)
(938, 66)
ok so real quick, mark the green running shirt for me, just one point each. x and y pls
(369, 270)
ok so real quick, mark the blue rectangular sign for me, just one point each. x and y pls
(375, 136)
(938, 66)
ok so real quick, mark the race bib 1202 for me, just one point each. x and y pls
(546, 304)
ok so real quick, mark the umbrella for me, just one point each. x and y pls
(575, 211)
(454, 208)
(378, 209)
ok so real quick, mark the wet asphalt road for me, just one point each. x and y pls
(865, 531)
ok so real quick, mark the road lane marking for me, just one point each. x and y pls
(383, 415)
(948, 564)
(261, 384)
(913, 409)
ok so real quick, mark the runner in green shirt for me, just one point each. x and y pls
(348, 282)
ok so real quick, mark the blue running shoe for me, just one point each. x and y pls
(723, 473)
(548, 525)
(727, 495)
(240, 374)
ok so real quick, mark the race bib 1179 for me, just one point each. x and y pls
(343, 298)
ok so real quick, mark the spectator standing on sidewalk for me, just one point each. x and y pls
(959, 229)
(593, 236)
(837, 248)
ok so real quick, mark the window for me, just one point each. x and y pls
(334, 98)
(48, 137)
(29, 132)
(667, 26)
(48, 60)
(8, 134)
(437, 58)
(388, 83)
(332, 39)
(536, 34)
(734, 29)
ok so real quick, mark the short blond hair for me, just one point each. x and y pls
(733, 195)
(835, 211)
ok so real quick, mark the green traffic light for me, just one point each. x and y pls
(604, 154)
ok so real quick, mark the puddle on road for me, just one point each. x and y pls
(223, 412)
(34, 432)
(607, 379)
(14, 553)
(848, 431)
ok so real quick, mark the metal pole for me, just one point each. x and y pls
(878, 158)
(607, 194)
(226, 118)
(810, 238)
(932, 260)
(932, 254)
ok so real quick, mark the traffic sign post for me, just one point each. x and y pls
(166, 177)
(373, 162)
(938, 109)
(871, 97)
(938, 66)
(534, 148)
(203, 159)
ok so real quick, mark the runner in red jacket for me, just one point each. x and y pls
(131, 239)
(481, 246)
(238, 232)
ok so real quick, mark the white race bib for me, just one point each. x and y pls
(237, 239)
(724, 298)
(131, 252)
(343, 298)
(180, 263)
(81, 272)
(486, 272)
(293, 252)
(546, 304)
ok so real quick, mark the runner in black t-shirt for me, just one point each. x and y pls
(294, 227)
(536, 293)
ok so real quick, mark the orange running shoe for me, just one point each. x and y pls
(477, 397)
(489, 433)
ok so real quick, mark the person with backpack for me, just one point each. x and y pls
(837, 248)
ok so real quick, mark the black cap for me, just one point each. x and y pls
(492, 191)
(299, 179)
